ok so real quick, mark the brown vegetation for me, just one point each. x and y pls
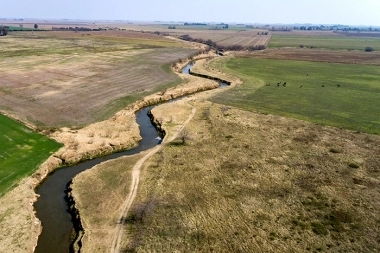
(319, 55)
(65, 79)
(252, 182)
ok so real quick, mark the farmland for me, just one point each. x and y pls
(251, 176)
(234, 35)
(244, 38)
(22, 152)
(55, 79)
(316, 55)
(329, 42)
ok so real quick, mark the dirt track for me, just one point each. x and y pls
(135, 184)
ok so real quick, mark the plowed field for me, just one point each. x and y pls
(72, 79)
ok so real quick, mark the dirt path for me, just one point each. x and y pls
(116, 242)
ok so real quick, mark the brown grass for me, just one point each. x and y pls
(99, 193)
(259, 183)
(317, 55)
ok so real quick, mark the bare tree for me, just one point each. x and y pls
(184, 136)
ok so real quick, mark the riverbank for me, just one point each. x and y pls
(19, 228)
(100, 229)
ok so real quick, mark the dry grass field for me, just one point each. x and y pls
(249, 182)
(316, 55)
(99, 217)
(54, 79)
(246, 182)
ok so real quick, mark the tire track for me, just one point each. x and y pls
(118, 234)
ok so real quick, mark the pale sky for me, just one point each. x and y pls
(350, 12)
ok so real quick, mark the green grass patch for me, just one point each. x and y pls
(18, 28)
(22, 151)
(347, 43)
(340, 95)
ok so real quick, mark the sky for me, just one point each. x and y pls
(349, 12)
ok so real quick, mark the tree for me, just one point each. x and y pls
(184, 136)
(35, 26)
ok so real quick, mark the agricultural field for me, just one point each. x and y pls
(234, 35)
(316, 55)
(329, 42)
(22, 152)
(244, 38)
(340, 95)
(55, 79)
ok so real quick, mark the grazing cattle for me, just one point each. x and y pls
(301, 86)
(278, 85)
(284, 84)
(338, 85)
(323, 85)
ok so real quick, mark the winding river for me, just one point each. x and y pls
(52, 208)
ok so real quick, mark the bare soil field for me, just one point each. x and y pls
(223, 37)
(55, 79)
(317, 55)
(307, 33)
(244, 38)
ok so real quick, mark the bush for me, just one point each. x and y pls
(368, 49)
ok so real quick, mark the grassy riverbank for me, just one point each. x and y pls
(341, 95)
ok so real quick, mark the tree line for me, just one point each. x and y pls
(213, 44)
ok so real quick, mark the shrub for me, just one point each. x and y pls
(368, 49)
(353, 165)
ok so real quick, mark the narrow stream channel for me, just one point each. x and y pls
(51, 206)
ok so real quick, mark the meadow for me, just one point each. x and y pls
(340, 95)
(328, 42)
(22, 151)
